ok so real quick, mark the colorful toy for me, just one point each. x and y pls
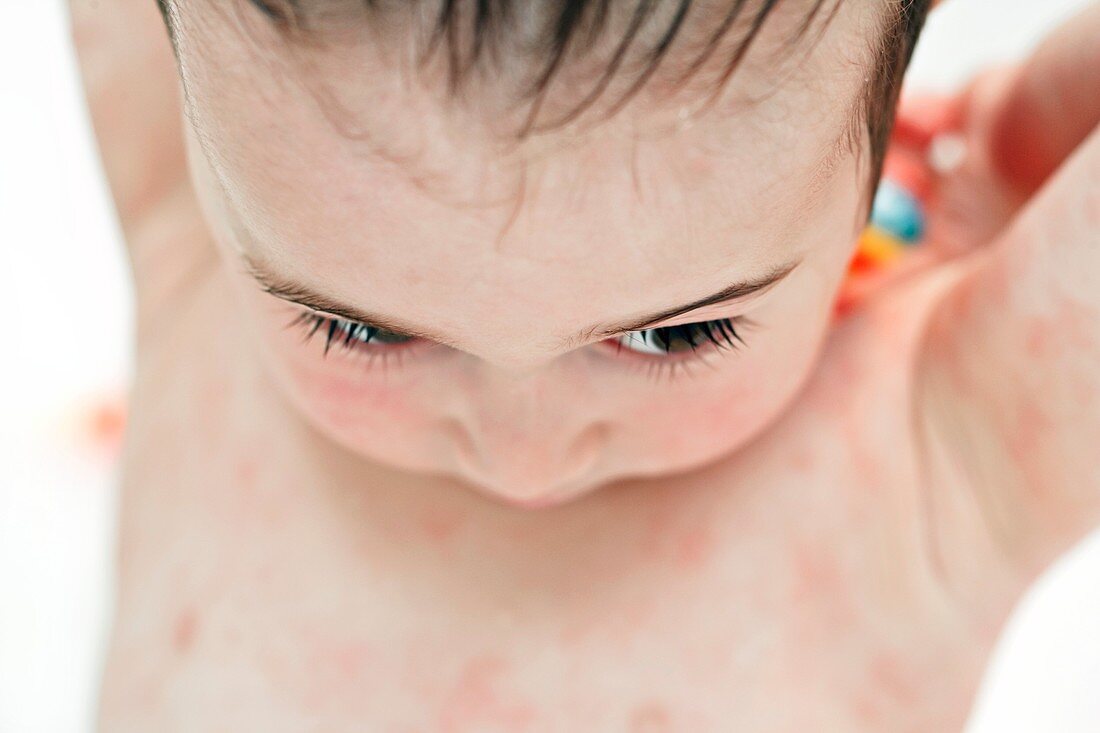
(922, 153)
(897, 223)
(898, 212)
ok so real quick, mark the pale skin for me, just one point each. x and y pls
(824, 530)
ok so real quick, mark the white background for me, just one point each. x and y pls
(65, 307)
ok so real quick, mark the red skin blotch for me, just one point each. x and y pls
(816, 573)
(889, 677)
(185, 630)
(476, 702)
(246, 472)
(439, 526)
(694, 547)
(650, 718)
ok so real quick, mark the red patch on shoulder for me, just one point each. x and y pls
(185, 630)
(1032, 430)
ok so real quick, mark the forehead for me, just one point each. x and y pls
(346, 174)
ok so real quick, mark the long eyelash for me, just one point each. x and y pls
(720, 334)
(335, 331)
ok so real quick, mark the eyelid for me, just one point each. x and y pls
(368, 324)
(716, 311)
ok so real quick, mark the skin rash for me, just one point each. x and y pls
(822, 530)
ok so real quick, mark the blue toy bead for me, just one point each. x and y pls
(897, 211)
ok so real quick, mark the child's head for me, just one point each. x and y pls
(529, 201)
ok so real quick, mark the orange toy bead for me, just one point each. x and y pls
(877, 248)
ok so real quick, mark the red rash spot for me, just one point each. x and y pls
(961, 302)
(694, 547)
(649, 718)
(185, 630)
(1059, 344)
(1071, 330)
(476, 703)
(815, 573)
(888, 676)
(1038, 339)
(866, 708)
(439, 525)
(1078, 325)
(351, 661)
(1033, 428)
(867, 466)
(246, 472)
(665, 540)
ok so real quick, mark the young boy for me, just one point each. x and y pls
(424, 267)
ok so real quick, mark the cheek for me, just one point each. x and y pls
(342, 395)
(392, 421)
(391, 415)
(715, 420)
(705, 418)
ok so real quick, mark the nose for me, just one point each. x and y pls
(529, 439)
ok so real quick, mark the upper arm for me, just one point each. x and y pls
(1008, 381)
(134, 97)
(1008, 378)
(132, 90)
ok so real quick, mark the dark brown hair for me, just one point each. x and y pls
(470, 30)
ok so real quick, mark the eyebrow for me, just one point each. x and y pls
(301, 295)
(729, 295)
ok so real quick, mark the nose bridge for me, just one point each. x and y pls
(526, 429)
(519, 399)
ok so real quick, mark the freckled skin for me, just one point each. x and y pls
(816, 578)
